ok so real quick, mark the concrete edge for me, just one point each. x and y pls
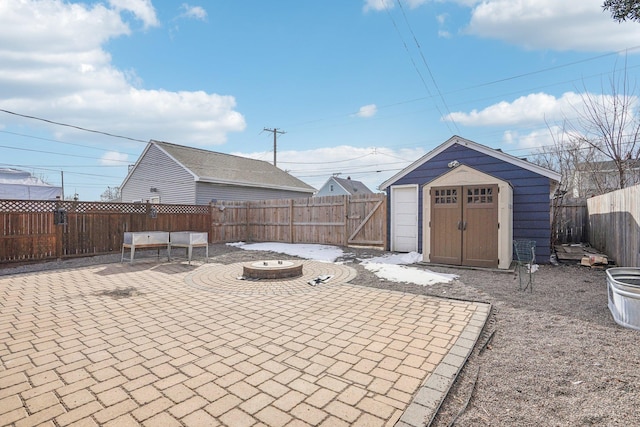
(431, 394)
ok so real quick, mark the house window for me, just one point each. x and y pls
(331, 187)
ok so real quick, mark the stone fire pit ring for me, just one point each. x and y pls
(229, 278)
(272, 269)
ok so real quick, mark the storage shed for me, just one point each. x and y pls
(464, 203)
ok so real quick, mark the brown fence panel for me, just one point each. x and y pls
(27, 236)
(91, 228)
(268, 220)
(228, 222)
(28, 232)
(368, 220)
(571, 222)
(320, 220)
(332, 220)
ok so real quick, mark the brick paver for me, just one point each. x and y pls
(173, 344)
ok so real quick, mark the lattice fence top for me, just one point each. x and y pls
(70, 206)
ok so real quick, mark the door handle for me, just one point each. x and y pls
(459, 225)
(464, 225)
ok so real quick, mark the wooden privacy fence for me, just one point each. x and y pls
(333, 220)
(571, 222)
(29, 231)
(614, 225)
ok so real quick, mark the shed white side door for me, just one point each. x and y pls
(404, 218)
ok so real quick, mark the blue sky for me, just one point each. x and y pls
(361, 87)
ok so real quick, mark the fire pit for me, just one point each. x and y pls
(272, 270)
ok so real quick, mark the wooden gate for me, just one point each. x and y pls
(368, 221)
(464, 225)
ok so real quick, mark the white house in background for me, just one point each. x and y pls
(596, 178)
(339, 187)
(175, 174)
(21, 185)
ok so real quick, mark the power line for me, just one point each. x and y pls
(424, 61)
(415, 66)
(71, 126)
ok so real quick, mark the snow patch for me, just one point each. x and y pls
(387, 267)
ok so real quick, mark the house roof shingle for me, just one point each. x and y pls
(220, 168)
(352, 186)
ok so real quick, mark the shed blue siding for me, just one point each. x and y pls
(531, 212)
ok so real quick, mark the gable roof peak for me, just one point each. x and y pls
(458, 140)
(228, 169)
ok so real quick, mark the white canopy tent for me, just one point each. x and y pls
(21, 185)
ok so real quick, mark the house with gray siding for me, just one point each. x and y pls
(342, 187)
(175, 174)
(464, 203)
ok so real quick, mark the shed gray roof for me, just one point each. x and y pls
(352, 186)
(220, 168)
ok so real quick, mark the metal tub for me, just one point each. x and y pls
(145, 239)
(190, 240)
(623, 285)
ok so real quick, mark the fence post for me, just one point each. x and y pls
(210, 222)
(291, 228)
(346, 205)
(247, 230)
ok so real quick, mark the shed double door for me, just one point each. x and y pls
(464, 225)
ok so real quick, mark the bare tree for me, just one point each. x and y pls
(609, 126)
(564, 155)
(111, 194)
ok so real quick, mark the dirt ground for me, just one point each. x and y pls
(551, 357)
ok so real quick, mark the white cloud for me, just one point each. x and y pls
(534, 139)
(540, 24)
(141, 9)
(552, 24)
(377, 5)
(54, 66)
(193, 12)
(370, 165)
(369, 110)
(533, 108)
(114, 158)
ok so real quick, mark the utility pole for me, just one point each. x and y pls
(275, 131)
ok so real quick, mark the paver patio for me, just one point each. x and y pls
(172, 344)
